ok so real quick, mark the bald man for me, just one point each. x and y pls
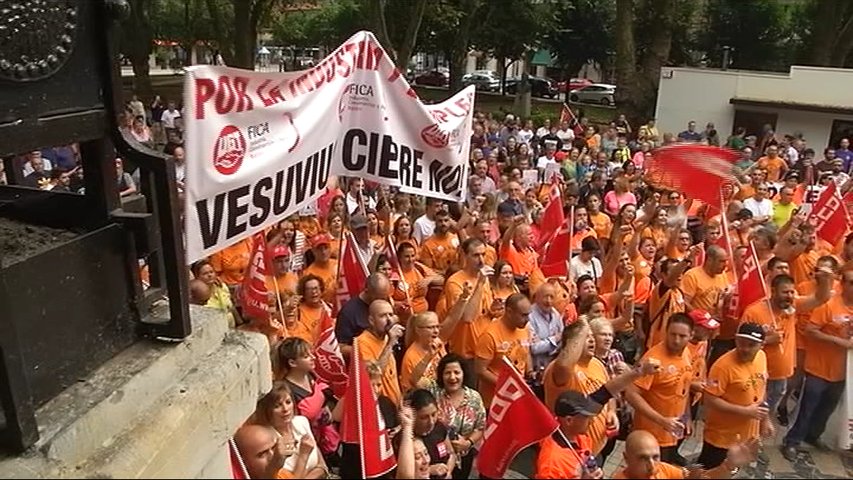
(703, 288)
(377, 342)
(642, 460)
(261, 450)
(545, 325)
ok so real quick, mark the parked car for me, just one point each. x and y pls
(482, 80)
(433, 78)
(573, 84)
(539, 86)
(601, 93)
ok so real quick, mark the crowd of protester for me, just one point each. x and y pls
(634, 344)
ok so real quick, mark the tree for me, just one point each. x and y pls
(137, 42)
(830, 39)
(627, 92)
(584, 34)
(761, 33)
(449, 27)
(236, 23)
(397, 37)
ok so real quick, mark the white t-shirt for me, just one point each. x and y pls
(524, 136)
(542, 131)
(301, 430)
(544, 161)
(168, 118)
(593, 268)
(763, 208)
(566, 136)
(423, 228)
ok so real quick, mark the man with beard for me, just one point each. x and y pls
(661, 400)
(582, 229)
(735, 397)
(377, 343)
(507, 338)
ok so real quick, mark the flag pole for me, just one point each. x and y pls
(280, 306)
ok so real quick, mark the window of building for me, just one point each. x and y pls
(840, 129)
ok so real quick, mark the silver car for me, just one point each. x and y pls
(487, 81)
(601, 93)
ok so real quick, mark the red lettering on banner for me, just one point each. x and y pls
(271, 96)
(228, 95)
(827, 211)
(463, 106)
(748, 267)
(342, 63)
(510, 391)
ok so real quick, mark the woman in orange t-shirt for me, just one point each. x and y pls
(503, 281)
(426, 348)
(599, 220)
(231, 262)
(657, 228)
(335, 228)
(402, 232)
(643, 251)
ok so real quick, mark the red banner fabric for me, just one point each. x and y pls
(829, 216)
(352, 274)
(254, 294)
(517, 419)
(362, 422)
(698, 170)
(330, 365)
(750, 284)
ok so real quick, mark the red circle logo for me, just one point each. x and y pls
(435, 137)
(229, 150)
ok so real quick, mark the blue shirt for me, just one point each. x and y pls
(544, 326)
(847, 156)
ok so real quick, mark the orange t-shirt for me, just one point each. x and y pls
(662, 470)
(698, 351)
(661, 307)
(739, 384)
(802, 266)
(659, 234)
(602, 224)
(577, 238)
(371, 348)
(745, 192)
(329, 274)
(310, 226)
(774, 167)
(417, 295)
(554, 461)
(807, 289)
(231, 262)
(827, 360)
(463, 340)
(782, 357)
(704, 292)
(589, 375)
(666, 392)
(439, 253)
(335, 247)
(497, 342)
(491, 256)
(309, 322)
(642, 267)
(523, 262)
(413, 356)
(286, 283)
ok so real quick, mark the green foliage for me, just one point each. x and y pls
(582, 33)
(764, 34)
(515, 27)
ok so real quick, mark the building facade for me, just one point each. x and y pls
(814, 102)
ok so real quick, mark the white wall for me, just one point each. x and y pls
(703, 95)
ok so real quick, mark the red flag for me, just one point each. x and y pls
(330, 365)
(829, 215)
(254, 293)
(362, 422)
(238, 467)
(566, 114)
(552, 219)
(517, 419)
(699, 169)
(750, 283)
(352, 274)
(390, 252)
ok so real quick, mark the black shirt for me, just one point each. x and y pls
(352, 320)
(435, 442)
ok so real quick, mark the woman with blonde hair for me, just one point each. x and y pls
(424, 348)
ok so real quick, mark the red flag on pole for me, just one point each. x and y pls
(330, 365)
(829, 216)
(352, 274)
(555, 262)
(700, 170)
(362, 422)
(517, 419)
(750, 283)
(254, 293)
(238, 466)
(552, 219)
(566, 114)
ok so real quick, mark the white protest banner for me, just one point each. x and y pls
(260, 146)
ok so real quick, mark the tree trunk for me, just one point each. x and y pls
(461, 42)
(405, 50)
(626, 61)
(823, 38)
(139, 40)
(656, 57)
(226, 47)
(376, 11)
(244, 42)
(458, 59)
(844, 43)
(141, 78)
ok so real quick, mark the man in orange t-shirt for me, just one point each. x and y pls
(661, 401)
(734, 397)
(324, 266)
(775, 166)
(516, 248)
(418, 279)
(507, 337)
(231, 262)
(568, 453)
(282, 279)
(439, 250)
(830, 339)
(643, 460)
(377, 342)
(703, 289)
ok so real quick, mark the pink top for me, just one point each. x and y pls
(613, 201)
